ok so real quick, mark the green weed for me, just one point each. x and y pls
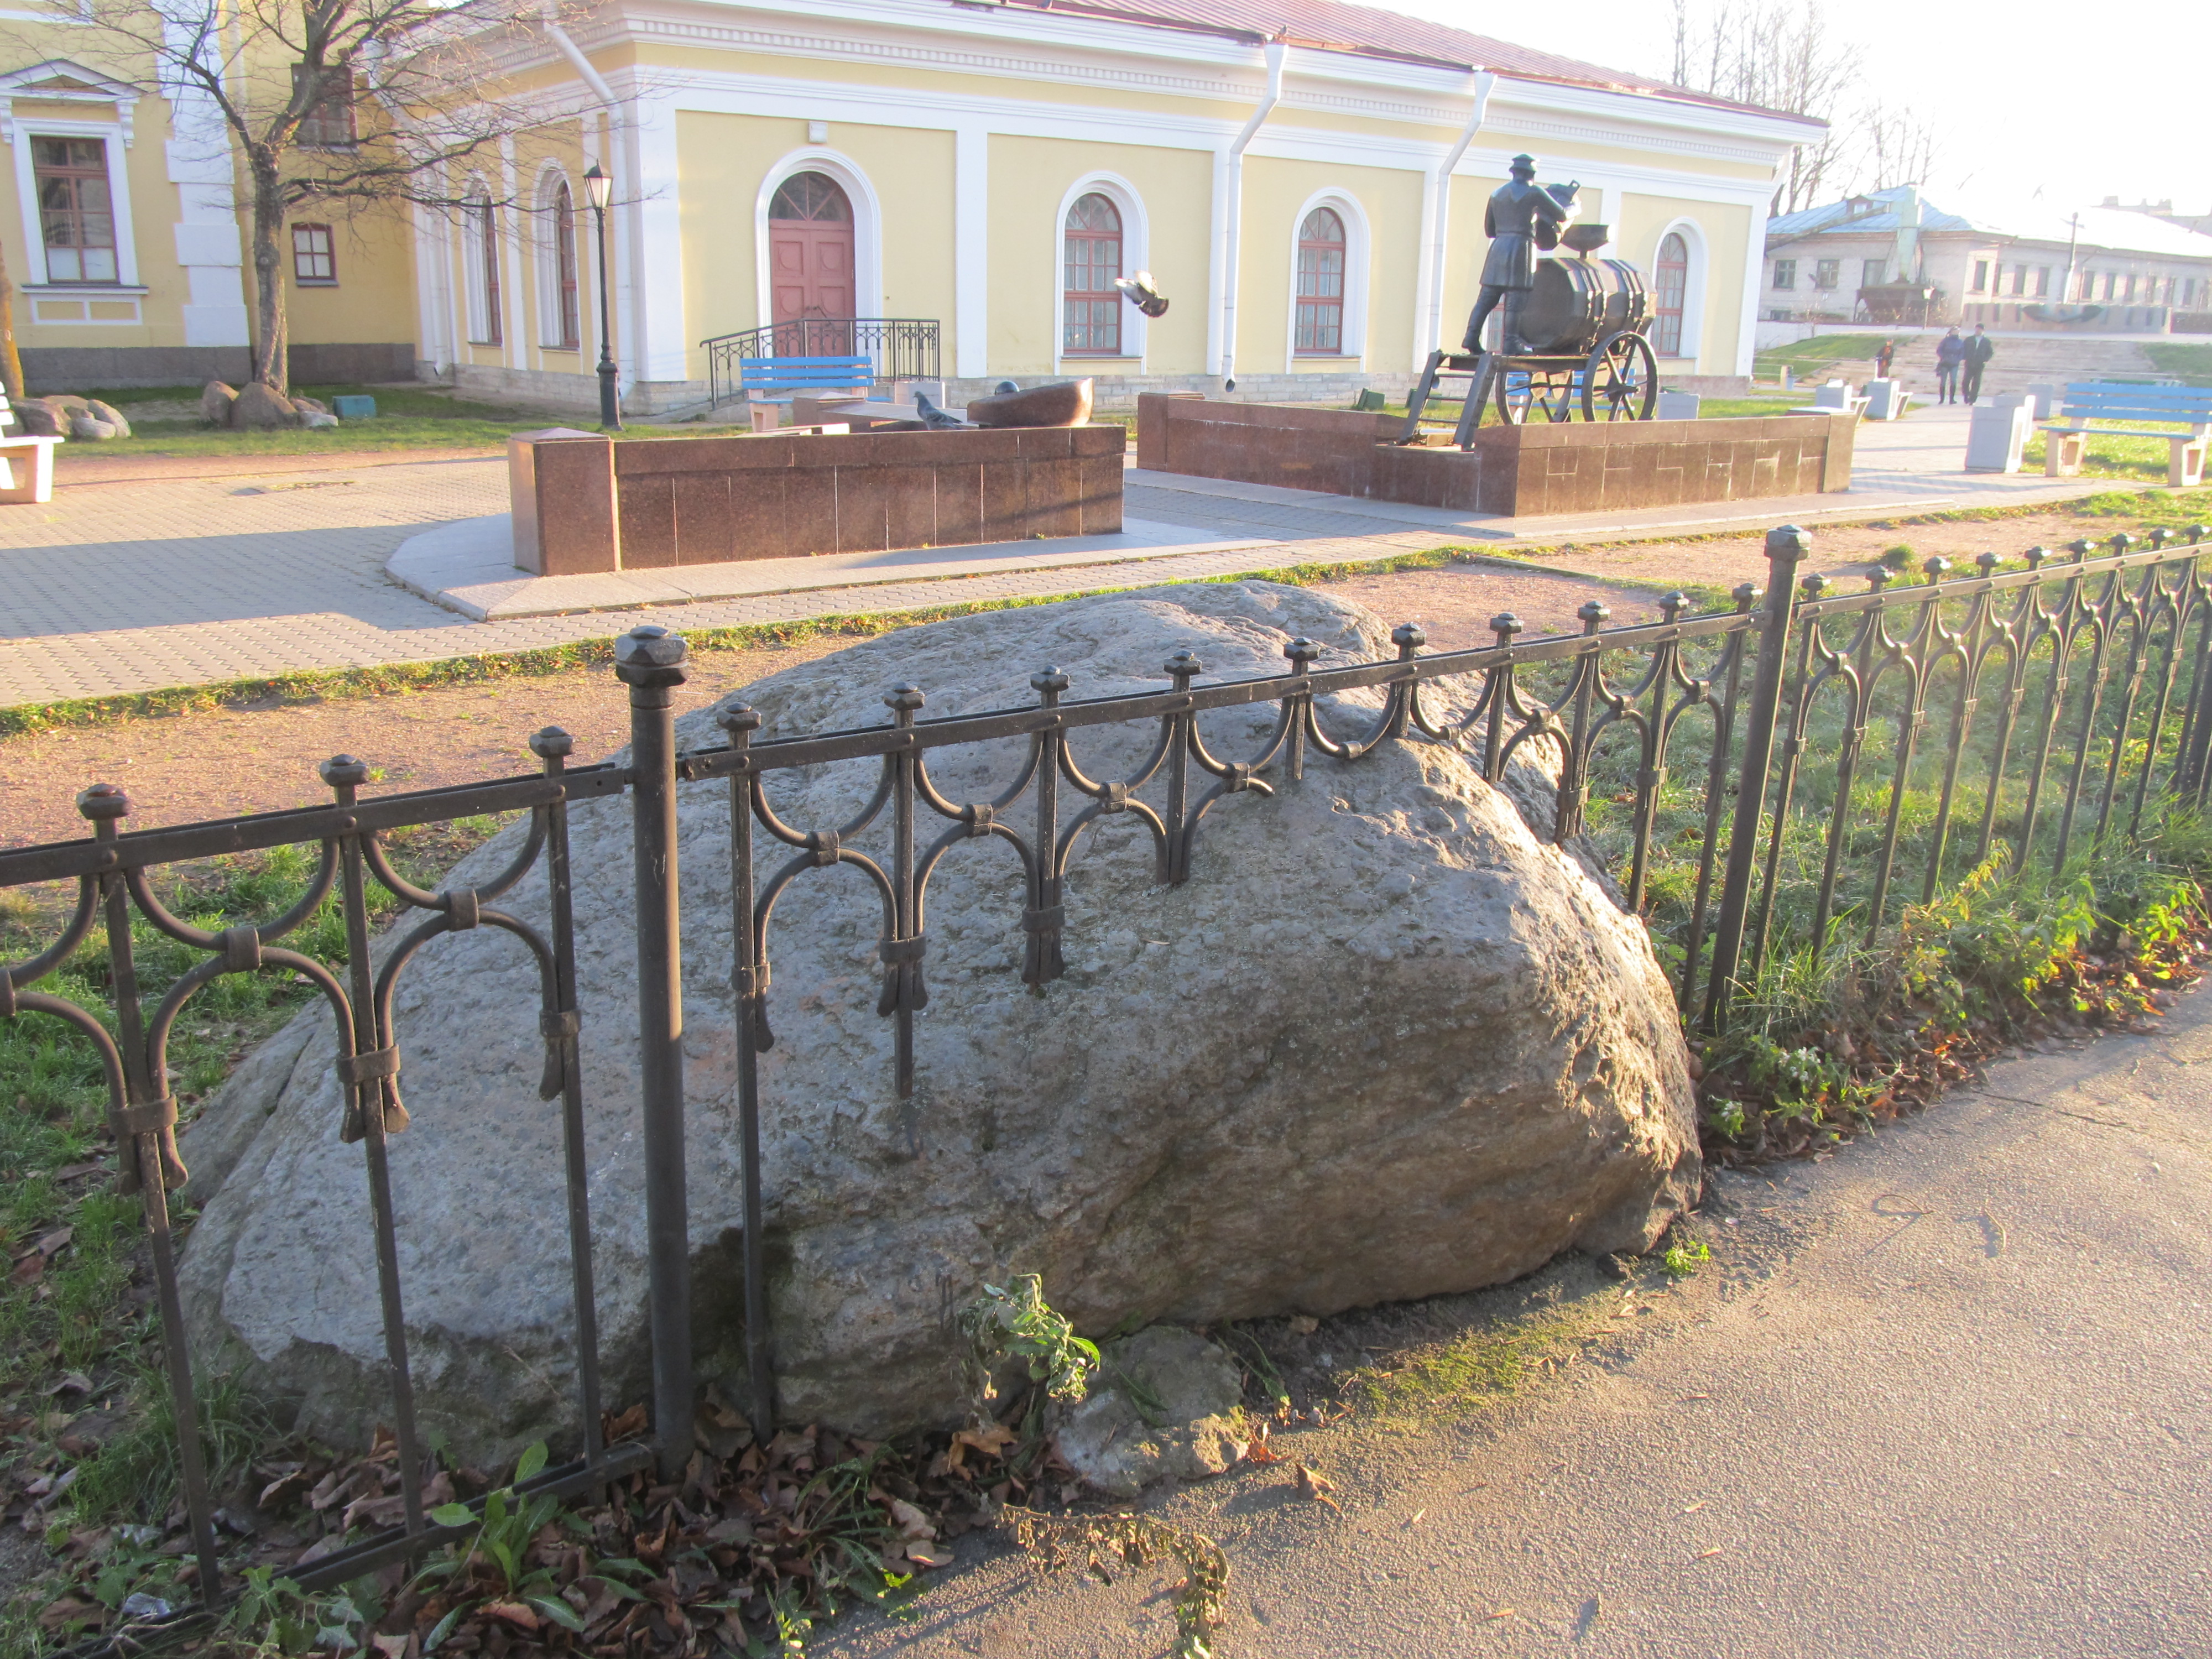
(1684, 1259)
(1014, 1322)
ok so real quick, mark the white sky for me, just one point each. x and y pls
(2079, 103)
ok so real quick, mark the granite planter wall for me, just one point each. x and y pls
(583, 502)
(1512, 471)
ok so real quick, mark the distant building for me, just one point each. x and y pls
(1889, 257)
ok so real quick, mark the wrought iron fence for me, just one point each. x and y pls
(1762, 778)
(901, 348)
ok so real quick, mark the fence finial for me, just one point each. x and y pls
(650, 655)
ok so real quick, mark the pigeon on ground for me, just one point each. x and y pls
(931, 415)
(1143, 295)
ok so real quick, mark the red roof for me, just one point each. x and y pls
(1333, 25)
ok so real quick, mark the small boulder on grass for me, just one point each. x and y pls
(314, 420)
(89, 430)
(41, 417)
(260, 408)
(216, 399)
(310, 406)
(109, 413)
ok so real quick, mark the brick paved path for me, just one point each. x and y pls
(122, 587)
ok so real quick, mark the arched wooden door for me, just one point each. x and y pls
(809, 241)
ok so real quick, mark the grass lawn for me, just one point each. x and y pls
(2192, 363)
(1817, 354)
(406, 418)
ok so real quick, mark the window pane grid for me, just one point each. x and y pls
(313, 257)
(76, 214)
(1091, 260)
(564, 269)
(1318, 329)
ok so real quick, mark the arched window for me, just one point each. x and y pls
(1669, 293)
(1321, 284)
(565, 314)
(480, 254)
(1093, 259)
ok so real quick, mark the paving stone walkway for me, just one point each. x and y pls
(127, 587)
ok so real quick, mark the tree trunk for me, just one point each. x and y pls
(11, 364)
(270, 364)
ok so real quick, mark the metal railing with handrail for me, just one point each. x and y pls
(901, 348)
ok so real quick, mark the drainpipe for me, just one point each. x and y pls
(1432, 262)
(1234, 202)
(569, 50)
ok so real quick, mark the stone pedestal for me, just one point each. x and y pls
(1576, 466)
(584, 503)
(1678, 405)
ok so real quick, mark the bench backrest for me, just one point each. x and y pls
(2117, 400)
(786, 373)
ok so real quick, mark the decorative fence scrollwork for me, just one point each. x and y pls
(1760, 779)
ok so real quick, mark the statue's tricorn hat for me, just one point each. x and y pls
(1527, 162)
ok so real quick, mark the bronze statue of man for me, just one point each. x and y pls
(1520, 217)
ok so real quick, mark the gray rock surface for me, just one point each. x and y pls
(259, 408)
(109, 413)
(1164, 1407)
(216, 399)
(42, 417)
(1384, 1043)
(89, 430)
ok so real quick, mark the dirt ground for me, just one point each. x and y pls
(182, 768)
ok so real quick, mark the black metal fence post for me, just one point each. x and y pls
(650, 661)
(1785, 548)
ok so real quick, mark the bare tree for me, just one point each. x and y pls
(1775, 56)
(342, 104)
(1895, 147)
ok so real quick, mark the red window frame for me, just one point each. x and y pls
(314, 263)
(568, 311)
(1322, 250)
(1091, 325)
(486, 229)
(1670, 288)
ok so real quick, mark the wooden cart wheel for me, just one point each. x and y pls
(1513, 401)
(1622, 378)
(1554, 393)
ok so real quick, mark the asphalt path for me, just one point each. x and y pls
(1945, 1393)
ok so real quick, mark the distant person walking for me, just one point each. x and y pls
(1950, 352)
(1883, 358)
(1979, 350)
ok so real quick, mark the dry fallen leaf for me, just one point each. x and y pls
(1696, 1397)
(1706, 1555)
(1691, 1508)
(1316, 1489)
(912, 1522)
(512, 1612)
(1416, 1521)
(1500, 1613)
(392, 1647)
(1303, 1325)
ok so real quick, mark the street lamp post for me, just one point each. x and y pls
(597, 188)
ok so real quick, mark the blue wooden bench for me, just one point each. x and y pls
(2167, 406)
(774, 380)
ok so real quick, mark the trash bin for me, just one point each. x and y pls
(1996, 434)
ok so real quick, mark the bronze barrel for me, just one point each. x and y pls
(1578, 302)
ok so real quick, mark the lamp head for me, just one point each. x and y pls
(597, 188)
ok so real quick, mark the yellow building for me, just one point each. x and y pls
(125, 249)
(1309, 196)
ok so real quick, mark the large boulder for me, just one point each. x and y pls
(260, 408)
(113, 415)
(1386, 1042)
(42, 417)
(216, 399)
